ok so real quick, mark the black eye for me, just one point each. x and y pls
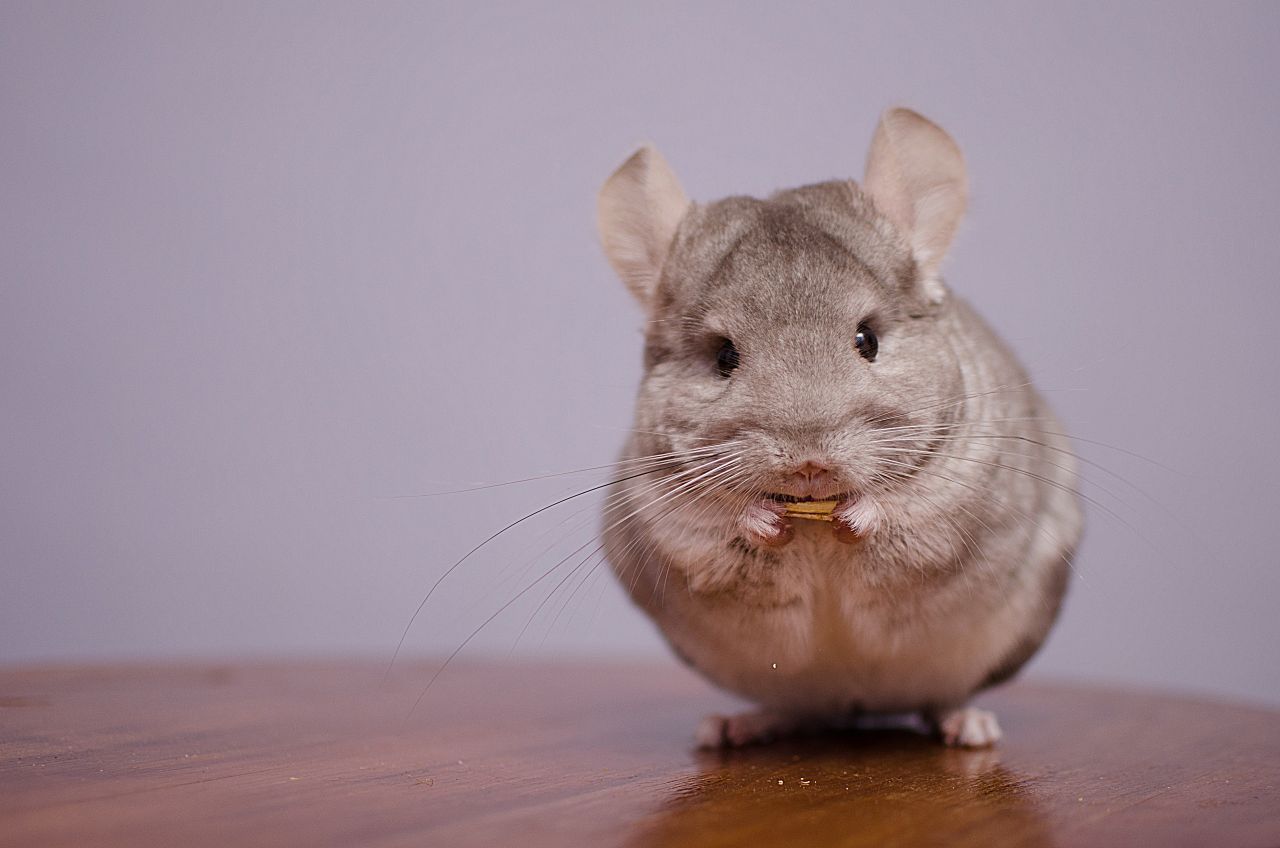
(727, 358)
(866, 343)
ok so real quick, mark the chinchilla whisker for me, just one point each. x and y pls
(448, 571)
(713, 468)
(1084, 460)
(685, 478)
(965, 440)
(597, 555)
(676, 503)
(556, 587)
(649, 467)
(615, 524)
(696, 494)
(727, 482)
(962, 438)
(910, 469)
(657, 433)
(1021, 513)
(600, 559)
(993, 464)
(475, 632)
(1117, 449)
(615, 503)
(611, 505)
(1072, 437)
(706, 478)
(731, 473)
(1062, 487)
(624, 498)
(958, 399)
(961, 483)
(686, 485)
(657, 459)
(688, 320)
(967, 542)
(578, 523)
(951, 425)
(1057, 449)
(949, 524)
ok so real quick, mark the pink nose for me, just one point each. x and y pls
(811, 476)
(810, 470)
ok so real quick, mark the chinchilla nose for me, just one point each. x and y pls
(809, 479)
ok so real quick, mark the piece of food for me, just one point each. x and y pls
(811, 510)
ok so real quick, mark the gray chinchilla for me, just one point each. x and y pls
(803, 349)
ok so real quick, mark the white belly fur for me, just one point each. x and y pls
(841, 646)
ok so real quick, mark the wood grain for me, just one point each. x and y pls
(596, 755)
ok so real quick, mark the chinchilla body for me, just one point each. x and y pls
(803, 347)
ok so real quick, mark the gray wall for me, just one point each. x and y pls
(263, 269)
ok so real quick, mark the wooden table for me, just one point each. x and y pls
(595, 755)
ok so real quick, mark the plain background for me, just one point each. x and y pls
(266, 267)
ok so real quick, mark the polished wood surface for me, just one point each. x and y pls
(596, 755)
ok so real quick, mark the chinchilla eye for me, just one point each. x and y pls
(727, 358)
(866, 343)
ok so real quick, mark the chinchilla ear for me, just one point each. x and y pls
(916, 177)
(637, 212)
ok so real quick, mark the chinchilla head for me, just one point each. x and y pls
(798, 331)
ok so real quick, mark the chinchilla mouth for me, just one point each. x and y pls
(781, 498)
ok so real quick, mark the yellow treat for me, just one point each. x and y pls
(811, 510)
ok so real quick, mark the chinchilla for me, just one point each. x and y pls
(842, 495)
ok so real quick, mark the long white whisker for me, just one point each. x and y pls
(657, 460)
